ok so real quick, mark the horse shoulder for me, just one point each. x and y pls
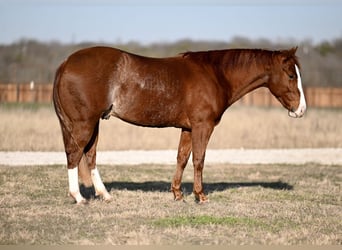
(205, 96)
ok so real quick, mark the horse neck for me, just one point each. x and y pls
(238, 71)
(243, 79)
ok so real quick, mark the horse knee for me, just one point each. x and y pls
(198, 163)
(182, 160)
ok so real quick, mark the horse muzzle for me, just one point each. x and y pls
(298, 113)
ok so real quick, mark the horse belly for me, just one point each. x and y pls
(148, 108)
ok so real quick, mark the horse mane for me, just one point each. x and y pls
(234, 58)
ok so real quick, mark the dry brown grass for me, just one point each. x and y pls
(37, 128)
(249, 204)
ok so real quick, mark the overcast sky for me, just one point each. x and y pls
(168, 21)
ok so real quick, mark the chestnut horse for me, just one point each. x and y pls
(190, 91)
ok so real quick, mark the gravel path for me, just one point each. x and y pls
(136, 157)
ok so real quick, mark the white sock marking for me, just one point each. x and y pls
(74, 187)
(98, 184)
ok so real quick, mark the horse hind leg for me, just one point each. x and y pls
(74, 188)
(74, 155)
(100, 189)
(90, 171)
(84, 172)
(80, 147)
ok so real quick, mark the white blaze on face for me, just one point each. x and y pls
(302, 104)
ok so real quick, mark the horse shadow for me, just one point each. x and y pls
(162, 186)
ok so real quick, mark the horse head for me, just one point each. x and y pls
(285, 83)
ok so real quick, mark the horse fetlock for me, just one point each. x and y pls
(201, 198)
(107, 198)
(78, 197)
(178, 195)
(104, 194)
(100, 188)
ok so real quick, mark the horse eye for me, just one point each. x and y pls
(291, 77)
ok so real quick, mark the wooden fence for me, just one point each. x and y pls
(42, 93)
(31, 92)
(315, 97)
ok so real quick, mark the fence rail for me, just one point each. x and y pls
(323, 97)
(42, 93)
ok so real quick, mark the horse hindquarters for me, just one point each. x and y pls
(73, 151)
(80, 139)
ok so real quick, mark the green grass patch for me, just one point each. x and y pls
(249, 223)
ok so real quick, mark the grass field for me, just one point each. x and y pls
(249, 204)
(31, 127)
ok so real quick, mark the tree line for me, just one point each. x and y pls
(30, 60)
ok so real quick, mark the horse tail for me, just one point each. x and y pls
(55, 95)
(62, 116)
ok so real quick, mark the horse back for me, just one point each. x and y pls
(103, 81)
(100, 82)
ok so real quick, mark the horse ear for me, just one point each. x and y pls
(288, 54)
(293, 50)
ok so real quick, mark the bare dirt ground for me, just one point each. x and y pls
(329, 156)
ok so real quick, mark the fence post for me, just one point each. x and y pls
(18, 92)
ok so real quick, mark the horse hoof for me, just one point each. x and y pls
(177, 195)
(82, 202)
(201, 199)
(108, 198)
(78, 198)
(202, 202)
(178, 198)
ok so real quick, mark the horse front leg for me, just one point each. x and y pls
(184, 150)
(200, 137)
